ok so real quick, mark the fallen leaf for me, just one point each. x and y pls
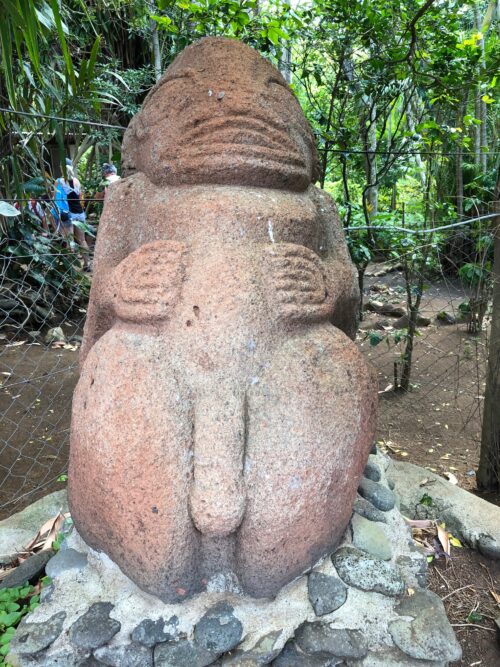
(16, 344)
(496, 597)
(444, 538)
(451, 477)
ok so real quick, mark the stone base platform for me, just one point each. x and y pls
(366, 605)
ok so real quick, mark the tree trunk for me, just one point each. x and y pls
(155, 43)
(488, 474)
(371, 162)
(286, 63)
(459, 174)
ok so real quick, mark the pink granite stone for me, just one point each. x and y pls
(223, 417)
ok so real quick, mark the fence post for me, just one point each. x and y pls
(488, 474)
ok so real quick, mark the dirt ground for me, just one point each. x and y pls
(465, 584)
(437, 424)
(36, 387)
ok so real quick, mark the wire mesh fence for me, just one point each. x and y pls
(437, 422)
(42, 312)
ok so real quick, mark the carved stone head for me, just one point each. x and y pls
(221, 114)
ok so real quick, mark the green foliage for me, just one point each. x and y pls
(426, 500)
(14, 604)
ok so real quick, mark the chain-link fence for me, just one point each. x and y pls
(436, 422)
(42, 311)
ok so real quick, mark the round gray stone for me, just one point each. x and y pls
(182, 653)
(372, 471)
(291, 656)
(95, 628)
(134, 655)
(31, 638)
(370, 537)
(263, 653)
(364, 508)
(367, 573)
(378, 494)
(64, 560)
(326, 593)
(149, 633)
(320, 638)
(218, 630)
(429, 636)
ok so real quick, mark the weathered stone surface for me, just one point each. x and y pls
(372, 471)
(30, 570)
(263, 653)
(466, 515)
(392, 657)
(385, 308)
(95, 628)
(134, 655)
(291, 656)
(218, 630)
(489, 547)
(368, 573)
(231, 295)
(429, 635)
(378, 494)
(64, 560)
(182, 653)
(326, 593)
(446, 318)
(364, 508)
(413, 568)
(150, 632)
(319, 638)
(21, 528)
(370, 537)
(31, 638)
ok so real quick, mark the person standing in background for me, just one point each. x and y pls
(73, 190)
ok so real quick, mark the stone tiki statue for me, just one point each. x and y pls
(223, 416)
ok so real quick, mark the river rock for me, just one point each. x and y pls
(65, 559)
(326, 593)
(319, 638)
(182, 653)
(31, 638)
(370, 537)
(378, 494)
(218, 630)
(370, 574)
(134, 655)
(149, 633)
(428, 635)
(95, 627)
(30, 570)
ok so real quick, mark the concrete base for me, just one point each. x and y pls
(365, 605)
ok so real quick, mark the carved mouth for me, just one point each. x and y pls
(240, 129)
(251, 151)
(256, 138)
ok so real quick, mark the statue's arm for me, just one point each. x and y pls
(112, 246)
(339, 271)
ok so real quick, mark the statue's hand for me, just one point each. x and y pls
(296, 283)
(146, 286)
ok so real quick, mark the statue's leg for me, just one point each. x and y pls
(311, 420)
(131, 463)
